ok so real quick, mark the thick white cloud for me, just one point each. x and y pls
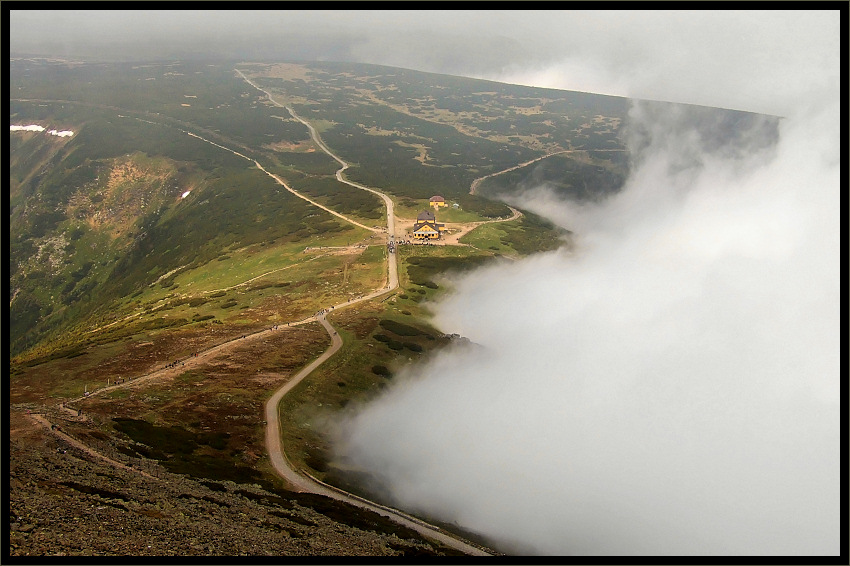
(761, 61)
(669, 387)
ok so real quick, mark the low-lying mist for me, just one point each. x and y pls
(668, 385)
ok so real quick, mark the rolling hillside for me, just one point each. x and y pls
(187, 211)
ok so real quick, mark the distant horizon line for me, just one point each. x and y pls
(97, 59)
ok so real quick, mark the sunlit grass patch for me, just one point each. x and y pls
(489, 237)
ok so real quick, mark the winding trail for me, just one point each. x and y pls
(201, 358)
(339, 174)
(477, 181)
(55, 430)
(282, 183)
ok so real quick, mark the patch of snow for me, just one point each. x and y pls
(37, 128)
(30, 128)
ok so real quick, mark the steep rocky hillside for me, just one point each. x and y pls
(66, 502)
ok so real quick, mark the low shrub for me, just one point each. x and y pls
(383, 371)
(400, 328)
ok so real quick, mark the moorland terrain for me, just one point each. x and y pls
(169, 260)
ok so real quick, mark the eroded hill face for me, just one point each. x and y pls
(74, 218)
(131, 185)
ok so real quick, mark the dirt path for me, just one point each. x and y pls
(274, 443)
(388, 202)
(191, 362)
(343, 165)
(42, 420)
(339, 174)
(477, 181)
(301, 481)
(208, 291)
(282, 183)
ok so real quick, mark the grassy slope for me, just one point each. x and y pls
(184, 274)
(93, 234)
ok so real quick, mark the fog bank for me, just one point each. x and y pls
(669, 387)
